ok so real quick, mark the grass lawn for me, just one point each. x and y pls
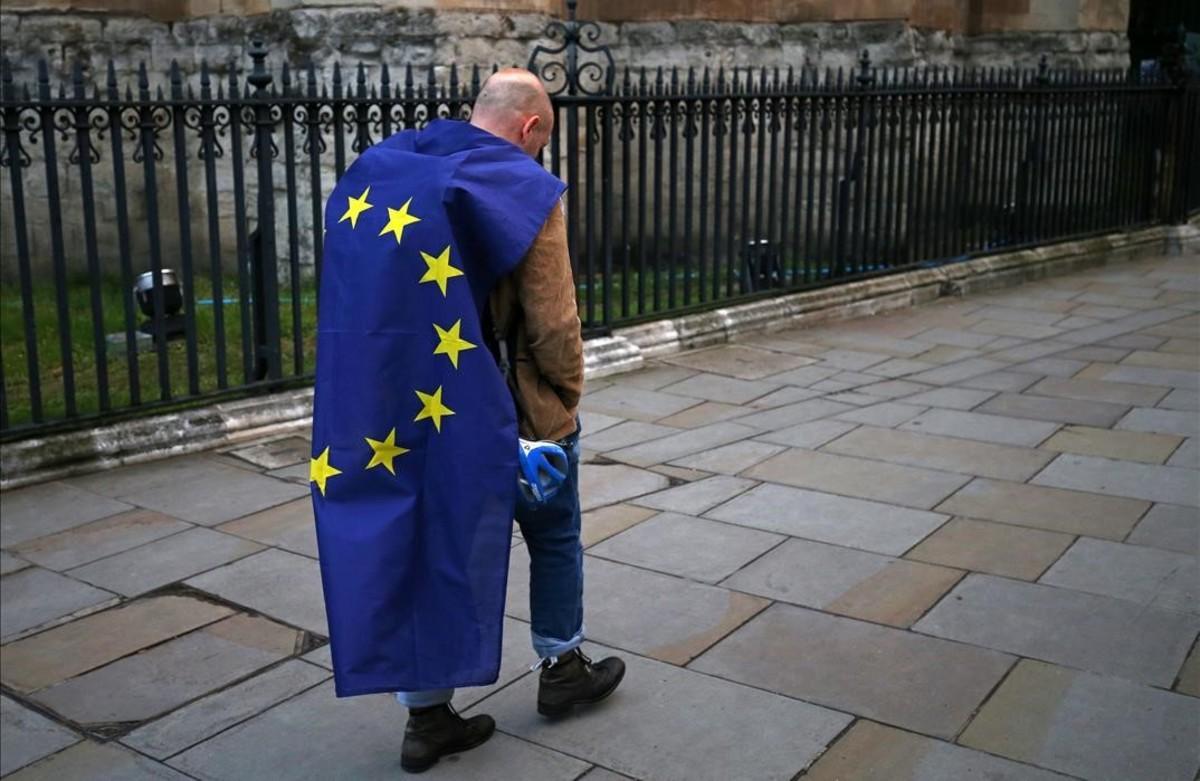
(121, 376)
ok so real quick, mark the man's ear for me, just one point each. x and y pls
(530, 124)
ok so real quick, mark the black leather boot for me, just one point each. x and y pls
(432, 733)
(575, 680)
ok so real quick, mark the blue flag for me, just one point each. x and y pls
(414, 430)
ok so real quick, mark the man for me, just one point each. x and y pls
(414, 554)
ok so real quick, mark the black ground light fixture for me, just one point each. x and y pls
(174, 324)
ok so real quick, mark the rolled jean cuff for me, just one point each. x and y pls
(425, 699)
(545, 647)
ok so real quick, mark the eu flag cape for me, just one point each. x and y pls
(414, 430)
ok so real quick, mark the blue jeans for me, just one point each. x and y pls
(551, 534)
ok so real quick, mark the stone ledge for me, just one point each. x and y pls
(61, 455)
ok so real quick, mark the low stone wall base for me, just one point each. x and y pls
(38, 459)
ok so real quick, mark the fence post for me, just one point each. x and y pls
(267, 358)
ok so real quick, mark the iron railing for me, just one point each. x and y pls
(686, 189)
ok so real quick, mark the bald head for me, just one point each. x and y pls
(514, 106)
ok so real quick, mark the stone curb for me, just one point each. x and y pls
(56, 456)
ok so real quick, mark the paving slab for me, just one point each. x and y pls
(730, 459)
(1183, 423)
(215, 713)
(886, 414)
(1188, 681)
(164, 561)
(859, 477)
(943, 354)
(212, 497)
(602, 523)
(902, 367)
(1055, 368)
(651, 728)
(95, 640)
(28, 513)
(823, 517)
(1181, 399)
(812, 434)
(852, 360)
(1100, 390)
(805, 375)
(704, 413)
(1025, 405)
(997, 548)
(894, 389)
(631, 432)
(1147, 576)
(655, 376)
(1019, 330)
(35, 596)
(595, 422)
(1108, 443)
(277, 453)
(1163, 360)
(318, 736)
(98, 539)
(898, 595)
(1142, 375)
(955, 337)
(1042, 507)
(26, 736)
(1080, 723)
(874, 752)
(950, 398)
(1002, 381)
(736, 360)
(695, 498)
(806, 573)
(88, 761)
(793, 414)
(1084, 631)
(604, 484)
(851, 665)
(1094, 353)
(636, 403)
(718, 387)
(958, 371)
(689, 547)
(1169, 527)
(1188, 454)
(999, 429)
(10, 564)
(1019, 314)
(679, 623)
(685, 443)
(789, 394)
(274, 583)
(322, 657)
(289, 526)
(166, 676)
(943, 453)
(1170, 484)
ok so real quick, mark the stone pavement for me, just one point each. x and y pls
(956, 542)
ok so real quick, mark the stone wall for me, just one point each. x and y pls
(363, 32)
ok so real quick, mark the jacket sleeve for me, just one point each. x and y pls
(546, 291)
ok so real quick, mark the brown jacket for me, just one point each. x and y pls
(535, 308)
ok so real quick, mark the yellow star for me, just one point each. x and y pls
(398, 220)
(385, 452)
(451, 343)
(357, 206)
(433, 408)
(440, 270)
(320, 471)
